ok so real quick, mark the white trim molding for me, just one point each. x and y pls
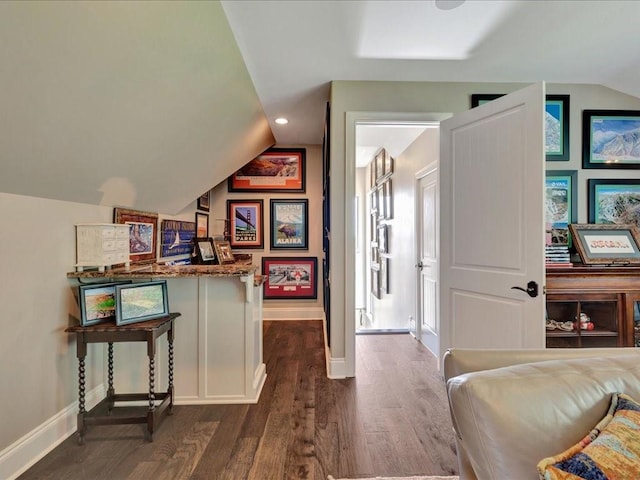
(315, 313)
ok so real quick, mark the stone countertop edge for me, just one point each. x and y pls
(169, 271)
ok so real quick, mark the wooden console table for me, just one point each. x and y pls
(148, 331)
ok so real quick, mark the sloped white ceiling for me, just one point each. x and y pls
(137, 104)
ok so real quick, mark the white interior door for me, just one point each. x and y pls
(427, 222)
(492, 227)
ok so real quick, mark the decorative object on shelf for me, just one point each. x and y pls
(609, 139)
(202, 224)
(97, 302)
(290, 277)
(290, 224)
(138, 302)
(143, 233)
(275, 170)
(223, 251)
(614, 201)
(176, 237)
(204, 201)
(560, 205)
(606, 244)
(205, 253)
(556, 123)
(101, 245)
(246, 223)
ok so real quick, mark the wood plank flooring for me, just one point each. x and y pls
(391, 420)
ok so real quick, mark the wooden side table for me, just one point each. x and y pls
(148, 331)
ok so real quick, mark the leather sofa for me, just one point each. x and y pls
(512, 408)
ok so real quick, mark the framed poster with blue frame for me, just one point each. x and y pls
(561, 205)
(290, 224)
(177, 237)
(614, 201)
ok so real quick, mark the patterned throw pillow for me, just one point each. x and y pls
(610, 451)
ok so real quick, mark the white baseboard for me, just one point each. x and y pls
(336, 367)
(26, 451)
(316, 313)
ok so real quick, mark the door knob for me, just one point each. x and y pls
(419, 265)
(531, 290)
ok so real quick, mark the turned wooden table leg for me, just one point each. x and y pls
(82, 353)
(152, 396)
(170, 389)
(110, 391)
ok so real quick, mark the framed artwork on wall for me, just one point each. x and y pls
(614, 201)
(246, 223)
(561, 205)
(204, 201)
(290, 277)
(609, 139)
(276, 170)
(143, 233)
(202, 224)
(176, 237)
(290, 224)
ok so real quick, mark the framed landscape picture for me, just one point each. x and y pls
(610, 139)
(246, 223)
(143, 233)
(290, 277)
(138, 302)
(614, 201)
(97, 302)
(276, 170)
(290, 224)
(561, 205)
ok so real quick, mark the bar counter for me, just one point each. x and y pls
(218, 338)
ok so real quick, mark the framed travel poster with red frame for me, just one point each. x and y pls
(290, 277)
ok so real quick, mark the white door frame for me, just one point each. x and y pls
(352, 119)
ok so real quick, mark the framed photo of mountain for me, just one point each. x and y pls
(611, 139)
(289, 224)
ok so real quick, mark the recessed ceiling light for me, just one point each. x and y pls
(282, 121)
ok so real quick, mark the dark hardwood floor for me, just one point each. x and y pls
(391, 420)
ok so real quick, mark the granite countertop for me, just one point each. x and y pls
(156, 270)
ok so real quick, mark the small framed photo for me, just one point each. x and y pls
(205, 253)
(561, 205)
(557, 128)
(176, 237)
(607, 138)
(276, 170)
(204, 201)
(138, 302)
(606, 244)
(97, 302)
(223, 251)
(290, 224)
(143, 233)
(202, 224)
(245, 222)
(290, 277)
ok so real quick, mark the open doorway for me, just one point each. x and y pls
(388, 156)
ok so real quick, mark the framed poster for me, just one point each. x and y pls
(607, 244)
(143, 233)
(609, 139)
(202, 224)
(557, 128)
(614, 201)
(204, 201)
(276, 170)
(176, 237)
(137, 302)
(560, 205)
(245, 221)
(290, 224)
(290, 277)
